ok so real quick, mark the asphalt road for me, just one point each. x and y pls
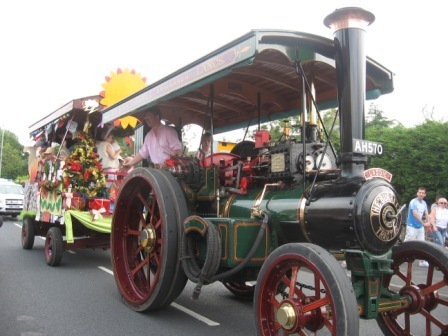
(80, 297)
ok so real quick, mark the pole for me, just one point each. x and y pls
(1, 151)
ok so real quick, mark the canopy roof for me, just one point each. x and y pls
(251, 79)
(77, 109)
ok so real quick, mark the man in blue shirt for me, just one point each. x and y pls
(415, 226)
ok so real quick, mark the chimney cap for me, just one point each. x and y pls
(349, 17)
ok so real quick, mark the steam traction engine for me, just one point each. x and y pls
(278, 212)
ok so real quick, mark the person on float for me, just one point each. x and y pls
(205, 147)
(108, 154)
(160, 142)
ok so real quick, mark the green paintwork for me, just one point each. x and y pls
(238, 236)
(367, 271)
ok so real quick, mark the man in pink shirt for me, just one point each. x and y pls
(160, 142)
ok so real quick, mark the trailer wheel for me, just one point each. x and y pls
(54, 246)
(28, 233)
(146, 239)
(301, 289)
(426, 286)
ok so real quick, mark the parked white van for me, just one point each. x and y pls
(11, 198)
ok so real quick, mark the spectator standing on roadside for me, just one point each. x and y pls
(436, 203)
(415, 225)
(439, 216)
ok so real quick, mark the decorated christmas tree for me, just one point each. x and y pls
(83, 168)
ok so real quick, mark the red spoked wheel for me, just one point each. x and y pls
(302, 290)
(146, 239)
(427, 288)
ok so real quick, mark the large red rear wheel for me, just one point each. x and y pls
(302, 290)
(146, 239)
(427, 288)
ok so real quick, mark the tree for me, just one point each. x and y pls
(415, 156)
(375, 118)
(14, 161)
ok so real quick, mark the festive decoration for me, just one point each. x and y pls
(84, 170)
(119, 86)
(77, 203)
(97, 214)
(99, 203)
(49, 181)
(68, 196)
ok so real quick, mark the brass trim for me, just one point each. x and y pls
(301, 218)
(286, 315)
(235, 227)
(226, 241)
(205, 186)
(228, 203)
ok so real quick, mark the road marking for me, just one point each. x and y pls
(177, 306)
(106, 270)
(195, 315)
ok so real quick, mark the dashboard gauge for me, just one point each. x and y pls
(326, 161)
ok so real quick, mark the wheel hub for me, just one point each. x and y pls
(292, 318)
(418, 300)
(286, 315)
(148, 239)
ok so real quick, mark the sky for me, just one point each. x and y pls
(55, 51)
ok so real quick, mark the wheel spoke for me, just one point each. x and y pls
(139, 267)
(408, 279)
(158, 223)
(274, 302)
(292, 284)
(144, 201)
(430, 318)
(155, 257)
(316, 304)
(289, 283)
(317, 286)
(138, 250)
(434, 287)
(131, 232)
(329, 324)
(443, 302)
(430, 274)
(407, 323)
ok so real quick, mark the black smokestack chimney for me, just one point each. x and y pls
(349, 26)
